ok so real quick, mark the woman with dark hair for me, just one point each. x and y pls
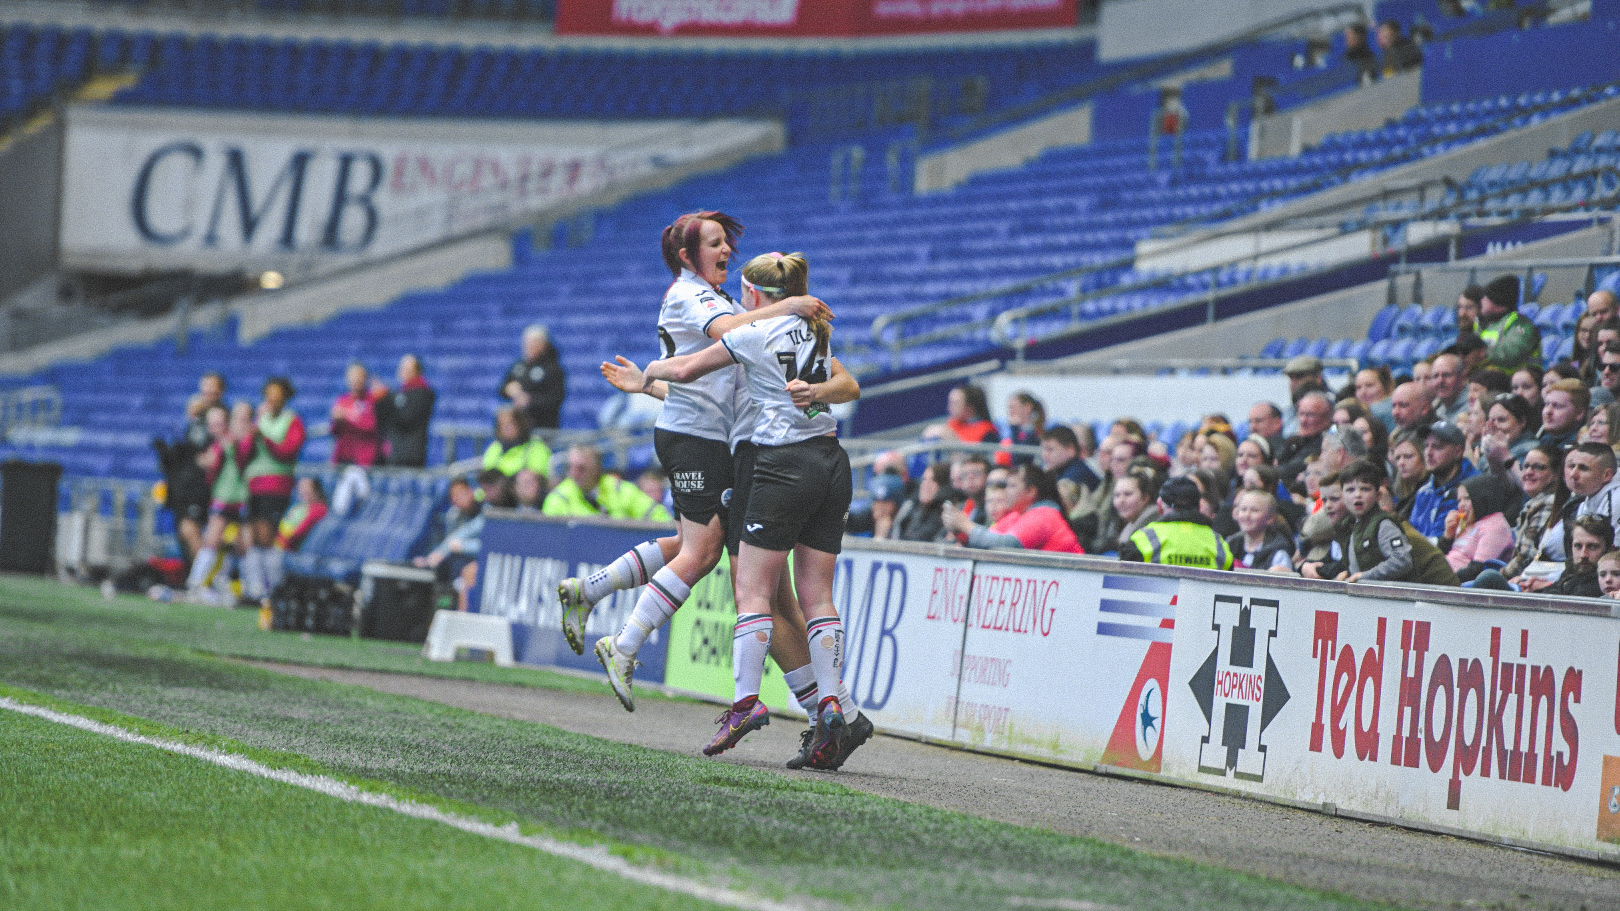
(278, 438)
(1539, 534)
(921, 518)
(1526, 383)
(1136, 503)
(1375, 433)
(1026, 421)
(967, 418)
(1034, 519)
(1508, 424)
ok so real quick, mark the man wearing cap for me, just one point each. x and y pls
(1184, 537)
(1448, 384)
(1304, 375)
(1443, 455)
(1514, 340)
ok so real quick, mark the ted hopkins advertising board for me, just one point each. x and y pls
(1372, 700)
(305, 194)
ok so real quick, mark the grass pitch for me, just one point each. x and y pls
(157, 667)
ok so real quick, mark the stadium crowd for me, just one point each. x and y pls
(1482, 467)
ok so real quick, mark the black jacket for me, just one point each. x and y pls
(543, 380)
(403, 416)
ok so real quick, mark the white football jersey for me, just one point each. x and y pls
(704, 407)
(772, 352)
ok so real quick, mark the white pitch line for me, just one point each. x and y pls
(599, 858)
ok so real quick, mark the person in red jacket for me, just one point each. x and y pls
(1033, 521)
(354, 420)
(967, 418)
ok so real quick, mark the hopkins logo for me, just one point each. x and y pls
(1238, 688)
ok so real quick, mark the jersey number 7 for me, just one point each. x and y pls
(815, 372)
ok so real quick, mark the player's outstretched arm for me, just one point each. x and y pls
(803, 306)
(687, 367)
(623, 374)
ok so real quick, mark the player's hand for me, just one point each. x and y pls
(804, 395)
(624, 375)
(811, 308)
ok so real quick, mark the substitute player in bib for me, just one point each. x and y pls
(797, 502)
(691, 438)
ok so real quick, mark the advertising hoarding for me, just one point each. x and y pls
(807, 19)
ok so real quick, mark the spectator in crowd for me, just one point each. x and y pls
(1315, 412)
(1468, 309)
(1526, 384)
(536, 384)
(1401, 53)
(1603, 425)
(464, 507)
(1589, 476)
(1218, 455)
(1514, 341)
(1382, 547)
(278, 438)
(1448, 387)
(1375, 435)
(1608, 367)
(186, 487)
(1539, 534)
(1584, 352)
(1182, 536)
(1443, 457)
(1033, 521)
(1487, 383)
(529, 491)
(454, 559)
(1477, 531)
(354, 420)
(996, 503)
(655, 485)
(1133, 506)
(1266, 420)
(888, 492)
(1258, 546)
(1323, 534)
(1412, 406)
(893, 462)
(1507, 422)
(1373, 387)
(1608, 573)
(404, 415)
(1026, 421)
(1304, 375)
(1060, 456)
(1562, 370)
(967, 418)
(515, 446)
(1563, 411)
(1358, 51)
(921, 518)
(1186, 454)
(1406, 456)
(307, 510)
(968, 475)
(589, 491)
(1590, 538)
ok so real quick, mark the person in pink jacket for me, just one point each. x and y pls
(354, 420)
(1033, 520)
(1477, 528)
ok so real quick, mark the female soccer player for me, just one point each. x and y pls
(797, 501)
(691, 438)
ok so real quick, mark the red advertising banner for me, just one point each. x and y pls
(808, 18)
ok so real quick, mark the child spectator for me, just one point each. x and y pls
(1382, 547)
(1323, 534)
(1477, 531)
(1608, 573)
(1257, 546)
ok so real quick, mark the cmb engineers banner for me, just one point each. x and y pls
(308, 194)
(808, 18)
(1368, 700)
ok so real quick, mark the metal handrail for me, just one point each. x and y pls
(1001, 331)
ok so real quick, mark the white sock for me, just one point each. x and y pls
(748, 651)
(664, 594)
(273, 569)
(801, 681)
(633, 568)
(253, 573)
(201, 566)
(827, 657)
(231, 565)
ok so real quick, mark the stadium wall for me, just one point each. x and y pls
(1490, 716)
(30, 191)
(1009, 148)
(1128, 29)
(1555, 57)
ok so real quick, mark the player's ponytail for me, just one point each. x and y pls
(784, 275)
